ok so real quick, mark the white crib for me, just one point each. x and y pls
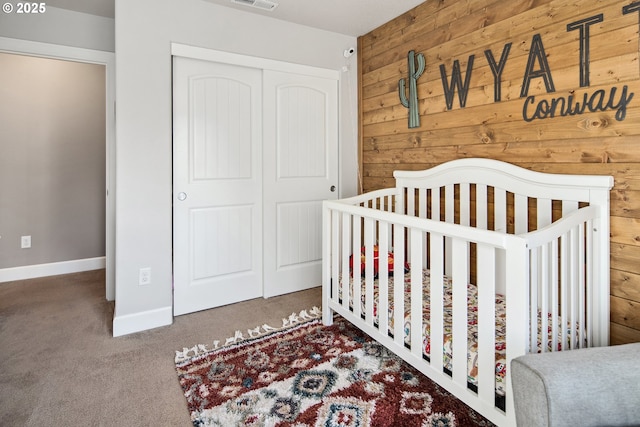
(539, 241)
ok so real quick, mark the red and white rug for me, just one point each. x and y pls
(307, 374)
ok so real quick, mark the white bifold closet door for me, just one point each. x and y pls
(255, 153)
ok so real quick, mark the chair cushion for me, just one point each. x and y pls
(587, 387)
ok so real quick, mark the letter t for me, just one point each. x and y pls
(583, 25)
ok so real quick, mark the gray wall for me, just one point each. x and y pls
(145, 30)
(52, 162)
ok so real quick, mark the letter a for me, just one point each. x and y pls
(537, 52)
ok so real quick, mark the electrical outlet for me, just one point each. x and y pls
(144, 277)
(25, 242)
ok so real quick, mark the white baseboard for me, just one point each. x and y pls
(51, 269)
(137, 322)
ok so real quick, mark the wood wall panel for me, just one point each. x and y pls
(596, 142)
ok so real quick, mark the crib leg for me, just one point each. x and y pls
(327, 313)
(327, 317)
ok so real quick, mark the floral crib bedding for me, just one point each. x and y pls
(472, 318)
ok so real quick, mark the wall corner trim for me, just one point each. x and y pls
(51, 269)
(138, 322)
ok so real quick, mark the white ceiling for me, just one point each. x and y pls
(350, 17)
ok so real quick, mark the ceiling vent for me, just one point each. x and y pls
(259, 4)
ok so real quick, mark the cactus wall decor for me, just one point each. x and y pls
(411, 102)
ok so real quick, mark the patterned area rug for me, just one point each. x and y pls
(307, 374)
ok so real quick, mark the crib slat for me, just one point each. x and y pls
(581, 285)
(521, 214)
(345, 270)
(486, 322)
(383, 277)
(411, 211)
(416, 293)
(543, 212)
(422, 212)
(411, 201)
(435, 204)
(449, 215)
(422, 203)
(369, 241)
(459, 326)
(574, 284)
(500, 209)
(436, 295)
(465, 204)
(589, 285)
(398, 285)
(567, 313)
(564, 288)
(533, 298)
(356, 271)
(400, 202)
(335, 254)
(449, 197)
(500, 225)
(543, 290)
(389, 207)
(481, 206)
(554, 283)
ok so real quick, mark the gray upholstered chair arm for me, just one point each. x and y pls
(587, 387)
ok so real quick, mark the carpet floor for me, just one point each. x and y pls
(60, 365)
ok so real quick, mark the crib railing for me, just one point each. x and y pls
(533, 263)
(566, 303)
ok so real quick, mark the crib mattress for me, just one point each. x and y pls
(472, 317)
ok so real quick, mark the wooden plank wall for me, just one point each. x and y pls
(599, 140)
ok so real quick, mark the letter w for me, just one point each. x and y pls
(456, 81)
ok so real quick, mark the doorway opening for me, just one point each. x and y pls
(61, 187)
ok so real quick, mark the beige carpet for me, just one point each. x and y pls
(60, 365)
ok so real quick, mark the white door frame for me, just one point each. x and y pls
(193, 52)
(54, 51)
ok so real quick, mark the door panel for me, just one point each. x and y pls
(301, 132)
(300, 167)
(305, 244)
(221, 227)
(217, 184)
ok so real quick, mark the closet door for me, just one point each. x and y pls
(217, 184)
(300, 171)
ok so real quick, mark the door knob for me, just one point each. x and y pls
(182, 196)
(333, 188)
